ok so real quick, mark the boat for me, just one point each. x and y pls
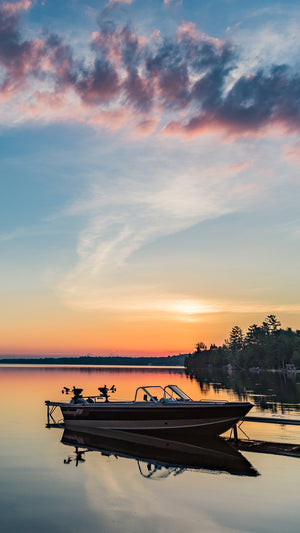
(155, 410)
(158, 457)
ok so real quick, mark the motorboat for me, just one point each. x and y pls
(155, 410)
(158, 457)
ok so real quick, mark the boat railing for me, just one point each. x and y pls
(147, 395)
(212, 400)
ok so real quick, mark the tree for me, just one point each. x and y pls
(200, 347)
(254, 335)
(296, 358)
(266, 346)
(236, 340)
(271, 325)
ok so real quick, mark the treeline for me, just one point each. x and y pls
(171, 360)
(266, 346)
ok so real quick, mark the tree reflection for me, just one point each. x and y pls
(272, 392)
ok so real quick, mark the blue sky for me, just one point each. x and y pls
(149, 172)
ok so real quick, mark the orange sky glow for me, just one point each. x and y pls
(150, 175)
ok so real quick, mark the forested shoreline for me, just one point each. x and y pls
(267, 346)
(171, 360)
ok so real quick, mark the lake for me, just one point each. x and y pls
(46, 487)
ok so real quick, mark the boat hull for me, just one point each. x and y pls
(193, 418)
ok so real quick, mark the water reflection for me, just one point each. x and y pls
(39, 493)
(158, 457)
(271, 392)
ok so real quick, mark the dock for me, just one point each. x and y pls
(276, 419)
(258, 446)
(51, 422)
(274, 448)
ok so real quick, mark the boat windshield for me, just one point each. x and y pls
(156, 393)
(176, 393)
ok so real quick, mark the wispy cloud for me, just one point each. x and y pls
(27, 232)
(157, 196)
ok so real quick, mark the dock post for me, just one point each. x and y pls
(48, 412)
(235, 433)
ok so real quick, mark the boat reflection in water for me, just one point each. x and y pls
(156, 456)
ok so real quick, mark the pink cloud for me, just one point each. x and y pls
(111, 2)
(173, 2)
(111, 120)
(188, 31)
(13, 9)
(113, 41)
(138, 91)
(238, 167)
(49, 106)
(291, 153)
(100, 86)
(146, 126)
(193, 128)
(184, 78)
(250, 189)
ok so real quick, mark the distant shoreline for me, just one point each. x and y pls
(171, 360)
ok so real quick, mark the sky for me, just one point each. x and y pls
(149, 163)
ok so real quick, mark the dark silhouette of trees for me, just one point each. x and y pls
(200, 347)
(265, 346)
(236, 341)
(271, 325)
(170, 360)
(235, 344)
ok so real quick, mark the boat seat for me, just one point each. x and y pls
(154, 398)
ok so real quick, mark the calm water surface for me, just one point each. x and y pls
(44, 489)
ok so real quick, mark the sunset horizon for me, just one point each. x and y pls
(150, 174)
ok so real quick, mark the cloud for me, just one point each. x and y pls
(173, 2)
(151, 195)
(110, 2)
(23, 61)
(146, 126)
(10, 9)
(188, 82)
(292, 152)
(99, 85)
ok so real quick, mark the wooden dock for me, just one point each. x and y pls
(292, 421)
(274, 448)
(258, 446)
